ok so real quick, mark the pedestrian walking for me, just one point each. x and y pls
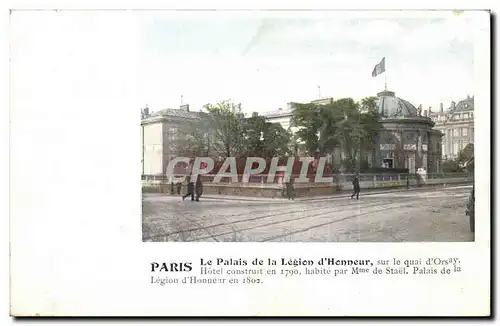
(290, 190)
(190, 189)
(198, 188)
(355, 185)
(179, 187)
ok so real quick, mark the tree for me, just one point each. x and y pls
(265, 139)
(338, 124)
(369, 104)
(466, 154)
(193, 138)
(224, 131)
(225, 126)
(306, 117)
(218, 132)
(253, 130)
(450, 166)
(276, 140)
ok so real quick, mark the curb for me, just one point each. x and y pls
(339, 194)
(344, 193)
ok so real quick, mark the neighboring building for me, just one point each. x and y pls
(457, 125)
(283, 117)
(158, 133)
(323, 101)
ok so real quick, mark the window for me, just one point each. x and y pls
(456, 147)
(455, 132)
(464, 132)
(172, 133)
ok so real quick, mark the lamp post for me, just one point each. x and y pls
(358, 136)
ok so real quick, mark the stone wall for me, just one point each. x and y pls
(302, 190)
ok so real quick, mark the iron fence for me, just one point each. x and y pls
(337, 178)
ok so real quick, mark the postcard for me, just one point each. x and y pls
(250, 163)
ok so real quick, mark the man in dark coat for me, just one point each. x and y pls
(290, 190)
(198, 188)
(356, 188)
(190, 189)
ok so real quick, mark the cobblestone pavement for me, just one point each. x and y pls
(432, 215)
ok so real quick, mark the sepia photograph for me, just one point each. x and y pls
(163, 160)
(307, 127)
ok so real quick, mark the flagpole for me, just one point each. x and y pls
(385, 74)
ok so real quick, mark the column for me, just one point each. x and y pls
(419, 155)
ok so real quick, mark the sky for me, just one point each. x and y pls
(264, 61)
(261, 59)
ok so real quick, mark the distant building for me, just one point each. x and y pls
(284, 116)
(158, 134)
(281, 116)
(457, 125)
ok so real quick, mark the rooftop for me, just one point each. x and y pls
(464, 105)
(277, 113)
(391, 106)
(176, 113)
(182, 113)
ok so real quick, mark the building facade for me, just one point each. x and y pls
(457, 125)
(407, 139)
(158, 135)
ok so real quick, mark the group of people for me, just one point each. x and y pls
(194, 189)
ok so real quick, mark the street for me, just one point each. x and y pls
(394, 216)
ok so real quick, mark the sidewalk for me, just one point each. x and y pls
(343, 193)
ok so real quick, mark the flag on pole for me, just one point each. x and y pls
(379, 68)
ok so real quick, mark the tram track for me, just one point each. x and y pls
(273, 214)
(332, 222)
(320, 208)
(322, 211)
(302, 218)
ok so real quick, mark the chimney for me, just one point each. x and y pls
(425, 113)
(453, 105)
(279, 109)
(441, 108)
(146, 111)
(185, 107)
(255, 114)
